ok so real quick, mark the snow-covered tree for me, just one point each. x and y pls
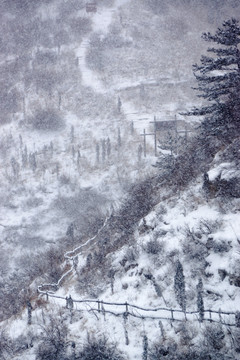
(15, 167)
(32, 161)
(108, 147)
(179, 286)
(97, 153)
(70, 231)
(200, 304)
(119, 140)
(218, 78)
(103, 150)
(145, 348)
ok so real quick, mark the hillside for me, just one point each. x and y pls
(201, 232)
(145, 239)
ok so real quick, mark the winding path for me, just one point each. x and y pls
(69, 256)
(100, 22)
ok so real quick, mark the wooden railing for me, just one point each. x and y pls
(228, 318)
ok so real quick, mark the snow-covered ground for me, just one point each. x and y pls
(169, 223)
(203, 234)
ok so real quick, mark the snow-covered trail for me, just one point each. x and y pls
(71, 256)
(89, 77)
(100, 22)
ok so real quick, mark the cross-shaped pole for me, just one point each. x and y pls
(144, 141)
(155, 134)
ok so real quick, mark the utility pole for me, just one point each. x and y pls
(144, 142)
(176, 132)
(155, 134)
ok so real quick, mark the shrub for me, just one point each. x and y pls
(5, 345)
(130, 255)
(170, 351)
(214, 336)
(208, 226)
(100, 349)
(53, 339)
(47, 120)
(154, 247)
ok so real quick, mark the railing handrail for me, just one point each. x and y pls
(102, 302)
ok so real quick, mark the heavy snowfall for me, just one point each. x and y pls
(120, 180)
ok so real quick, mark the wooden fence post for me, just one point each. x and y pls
(210, 315)
(161, 329)
(103, 311)
(220, 317)
(172, 318)
(126, 308)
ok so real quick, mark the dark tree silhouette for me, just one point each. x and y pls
(179, 286)
(200, 303)
(218, 80)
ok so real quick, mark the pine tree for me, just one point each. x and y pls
(179, 286)
(97, 152)
(200, 304)
(132, 128)
(103, 150)
(15, 167)
(20, 141)
(73, 152)
(145, 348)
(119, 140)
(140, 151)
(108, 147)
(72, 134)
(119, 105)
(70, 231)
(25, 157)
(32, 161)
(218, 79)
(29, 307)
(78, 157)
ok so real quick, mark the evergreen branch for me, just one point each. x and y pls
(210, 64)
(232, 51)
(214, 79)
(202, 111)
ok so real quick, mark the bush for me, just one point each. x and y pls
(154, 247)
(214, 337)
(53, 339)
(47, 120)
(100, 349)
(5, 345)
(208, 226)
(170, 351)
(130, 255)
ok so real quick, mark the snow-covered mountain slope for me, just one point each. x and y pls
(198, 230)
(77, 91)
